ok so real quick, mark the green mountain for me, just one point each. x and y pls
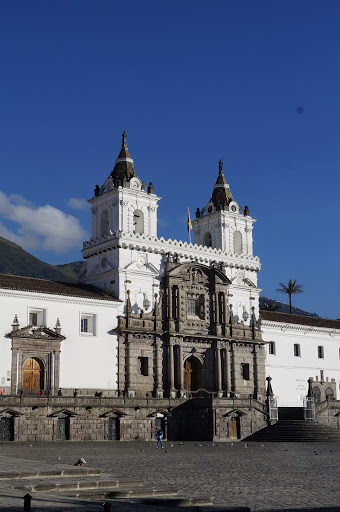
(14, 260)
(76, 271)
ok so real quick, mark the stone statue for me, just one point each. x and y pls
(124, 138)
(220, 166)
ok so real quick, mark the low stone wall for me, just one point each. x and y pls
(98, 419)
(328, 413)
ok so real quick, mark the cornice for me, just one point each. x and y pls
(304, 329)
(20, 294)
(187, 251)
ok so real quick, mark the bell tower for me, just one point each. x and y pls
(123, 207)
(223, 224)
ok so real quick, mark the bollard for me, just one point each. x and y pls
(107, 507)
(27, 503)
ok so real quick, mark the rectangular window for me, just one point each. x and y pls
(84, 327)
(320, 352)
(191, 307)
(245, 371)
(88, 324)
(33, 319)
(271, 347)
(143, 366)
(37, 317)
(297, 351)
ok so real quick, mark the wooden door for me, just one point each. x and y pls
(234, 428)
(6, 429)
(192, 374)
(63, 429)
(113, 429)
(33, 380)
(187, 374)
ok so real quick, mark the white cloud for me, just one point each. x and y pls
(78, 204)
(43, 227)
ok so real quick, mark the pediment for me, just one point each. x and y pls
(36, 333)
(184, 269)
(11, 412)
(113, 412)
(234, 413)
(65, 412)
(159, 413)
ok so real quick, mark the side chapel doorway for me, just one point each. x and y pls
(192, 374)
(33, 380)
(234, 428)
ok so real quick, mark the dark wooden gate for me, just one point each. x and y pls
(6, 429)
(63, 429)
(234, 427)
(113, 429)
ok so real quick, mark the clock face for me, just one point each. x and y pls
(140, 261)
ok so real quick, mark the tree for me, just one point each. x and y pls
(290, 289)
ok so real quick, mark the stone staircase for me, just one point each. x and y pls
(293, 430)
(89, 484)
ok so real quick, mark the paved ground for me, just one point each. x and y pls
(269, 476)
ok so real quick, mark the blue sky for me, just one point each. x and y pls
(190, 82)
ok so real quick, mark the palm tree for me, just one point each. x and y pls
(292, 288)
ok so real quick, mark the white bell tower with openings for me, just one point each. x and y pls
(223, 224)
(124, 207)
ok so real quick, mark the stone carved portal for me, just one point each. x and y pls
(33, 380)
(192, 374)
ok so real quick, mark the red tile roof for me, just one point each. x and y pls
(312, 321)
(31, 284)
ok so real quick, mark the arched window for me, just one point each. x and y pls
(207, 240)
(138, 222)
(237, 242)
(104, 227)
(316, 394)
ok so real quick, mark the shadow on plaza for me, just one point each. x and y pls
(297, 509)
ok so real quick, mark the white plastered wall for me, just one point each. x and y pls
(86, 361)
(290, 373)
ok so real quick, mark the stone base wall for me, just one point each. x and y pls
(92, 419)
(328, 413)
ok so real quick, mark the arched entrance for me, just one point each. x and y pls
(33, 380)
(192, 374)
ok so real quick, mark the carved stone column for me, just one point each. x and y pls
(256, 372)
(171, 370)
(129, 366)
(233, 370)
(226, 352)
(218, 369)
(217, 307)
(170, 302)
(180, 368)
(158, 369)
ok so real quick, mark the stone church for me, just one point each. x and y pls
(165, 332)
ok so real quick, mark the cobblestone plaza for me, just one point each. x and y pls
(269, 476)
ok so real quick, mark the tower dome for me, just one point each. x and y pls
(124, 169)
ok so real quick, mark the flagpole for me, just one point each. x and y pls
(189, 225)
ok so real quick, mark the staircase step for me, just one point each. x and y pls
(60, 473)
(296, 431)
(76, 485)
(178, 501)
(137, 492)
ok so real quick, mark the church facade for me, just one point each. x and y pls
(162, 334)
